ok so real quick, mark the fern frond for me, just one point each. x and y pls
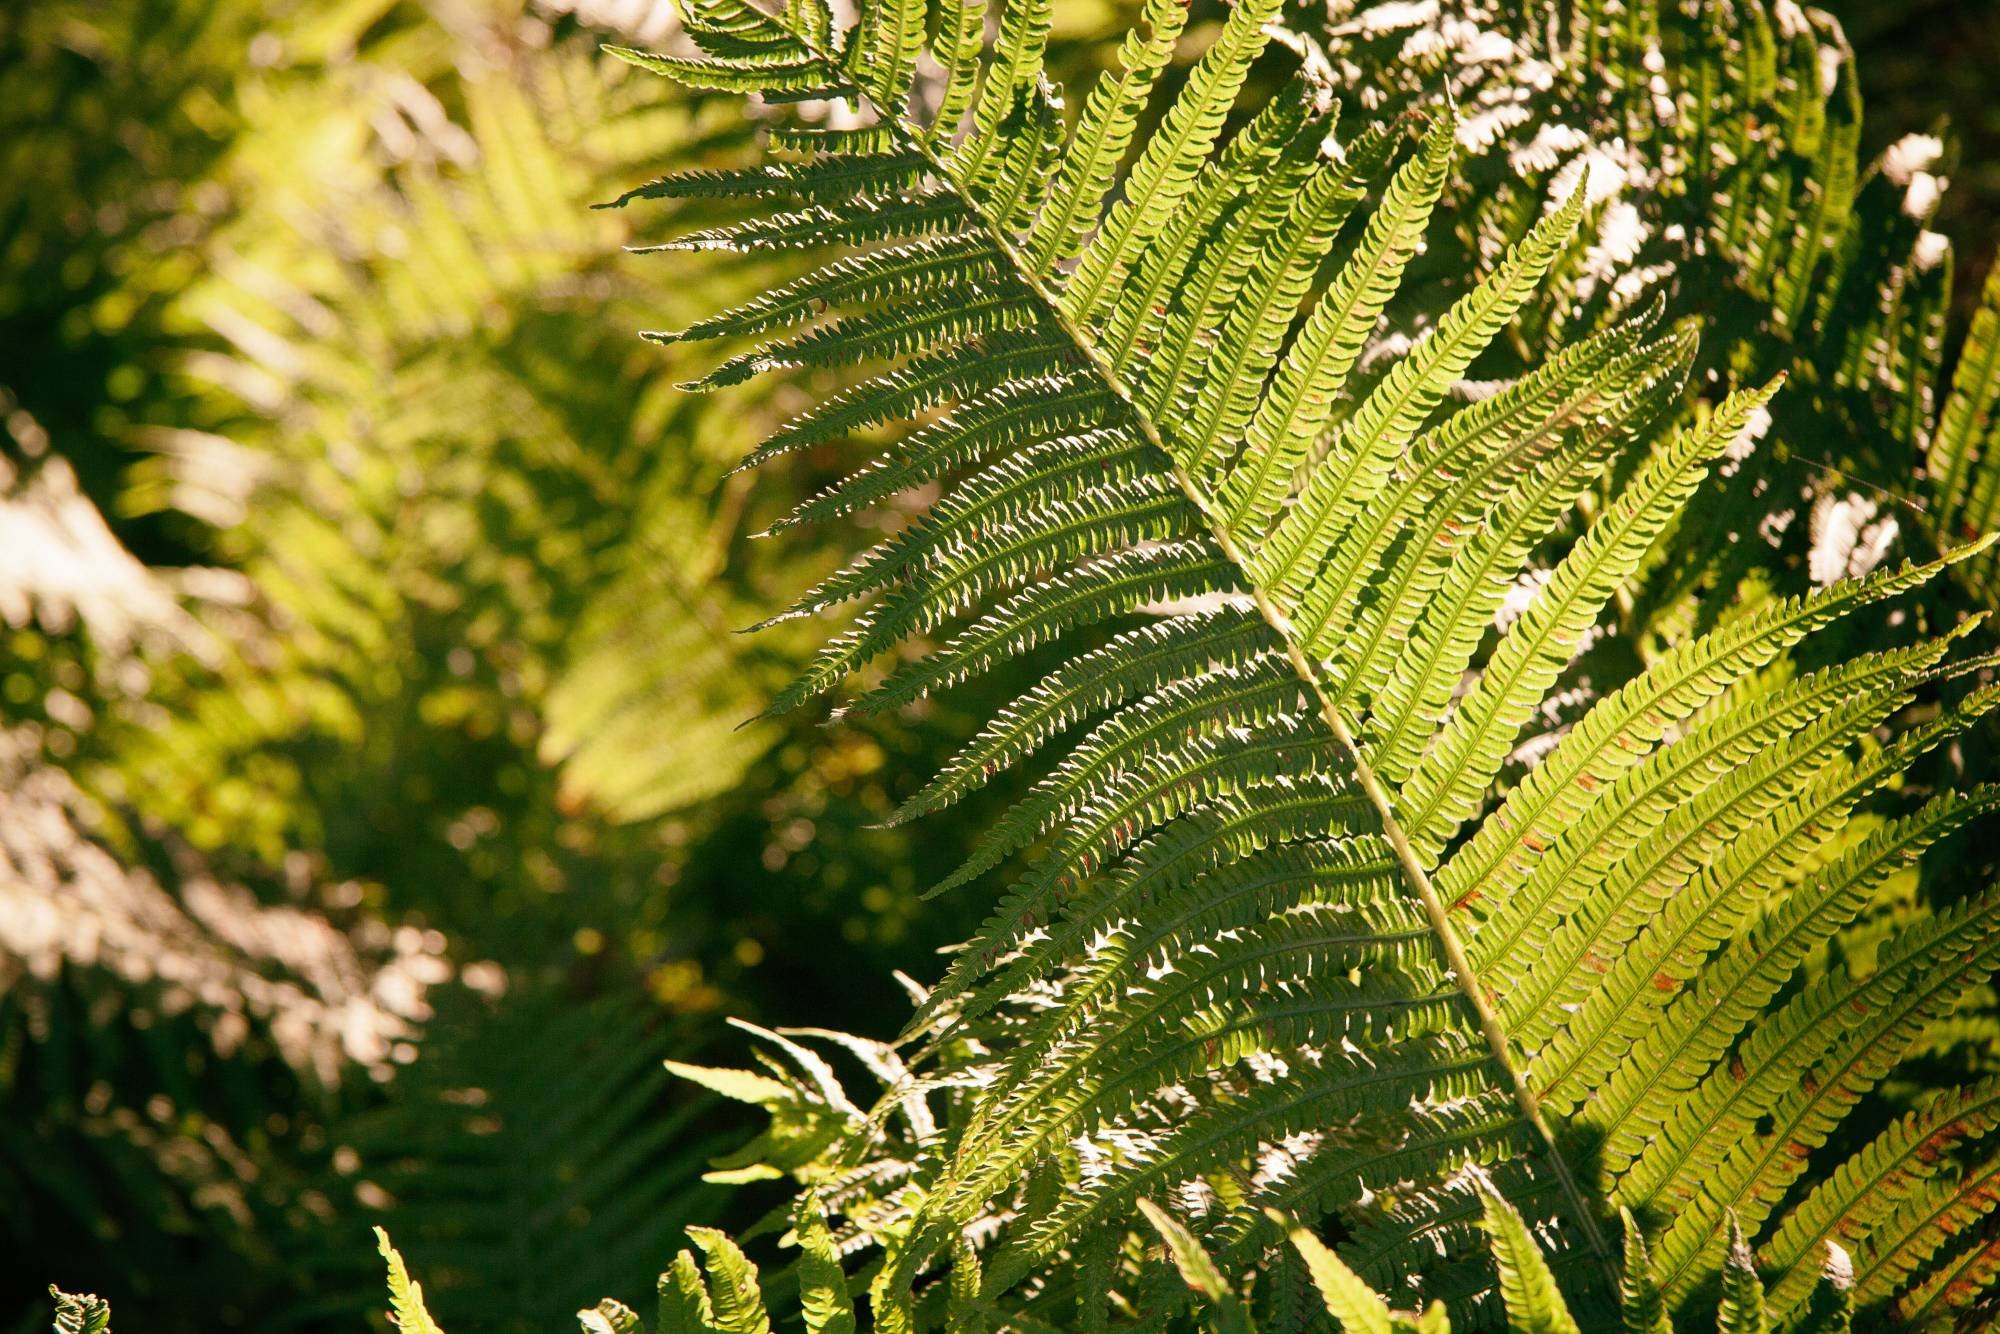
(1469, 750)
(81, 1312)
(1167, 165)
(1197, 1270)
(406, 1295)
(823, 1295)
(1639, 1295)
(911, 215)
(1349, 1300)
(1534, 1304)
(1300, 403)
(1134, 664)
(1626, 726)
(1882, 1201)
(1742, 1310)
(735, 1299)
(685, 1307)
(1368, 444)
(1669, 817)
(1242, 925)
(1806, 1066)
(1103, 136)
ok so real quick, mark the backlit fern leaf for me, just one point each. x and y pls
(1273, 942)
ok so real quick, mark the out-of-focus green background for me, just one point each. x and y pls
(1927, 64)
(374, 810)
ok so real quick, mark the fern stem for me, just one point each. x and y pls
(1457, 963)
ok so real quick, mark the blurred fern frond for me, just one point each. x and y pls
(367, 458)
(428, 467)
(528, 1159)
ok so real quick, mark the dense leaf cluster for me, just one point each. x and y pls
(1290, 935)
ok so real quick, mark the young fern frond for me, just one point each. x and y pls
(724, 1296)
(1271, 911)
(406, 1295)
(81, 1313)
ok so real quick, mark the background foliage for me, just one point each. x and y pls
(361, 561)
(369, 663)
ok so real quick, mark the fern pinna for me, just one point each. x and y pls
(1278, 943)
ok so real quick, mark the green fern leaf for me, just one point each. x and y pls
(1534, 1304)
(1103, 136)
(1742, 1310)
(823, 1296)
(1865, 1194)
(1197, 1270)
(684, 1303)
(1247, 926)
(81, 1313)
(733, 1292)
(406, 1295)
(1167, 165)
(1640, 1302)
(1327, 347)
(1350, 1301)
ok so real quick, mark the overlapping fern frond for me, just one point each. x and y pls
(525, 1195)
(1277, 942)
(1721, 143)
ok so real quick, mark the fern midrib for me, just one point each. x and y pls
(1458, 963)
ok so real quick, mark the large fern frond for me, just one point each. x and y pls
(1275, 942)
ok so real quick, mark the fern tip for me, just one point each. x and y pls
(1971, 548)
(944, 886)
